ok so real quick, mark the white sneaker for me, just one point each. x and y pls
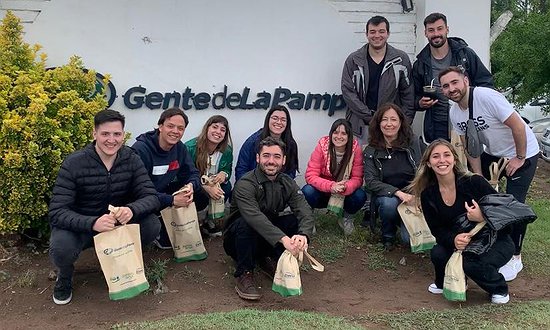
(511, 269)
(434, 289)
(500, 299)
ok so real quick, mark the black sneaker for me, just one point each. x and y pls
(63, 291)
(162, 243)
(211, 228)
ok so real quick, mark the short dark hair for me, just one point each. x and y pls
(433, 17)
(457, 69)
(377, 20)
(108, 115)
(270, 142)
(171, 112)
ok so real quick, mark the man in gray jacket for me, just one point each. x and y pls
(257, 228)
(375, 74)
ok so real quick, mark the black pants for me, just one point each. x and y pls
(245, 245)
(482, 269)
(66, 245)
(516, 185)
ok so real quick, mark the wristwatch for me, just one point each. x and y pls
(520, 157)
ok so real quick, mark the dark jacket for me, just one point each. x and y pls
(84, 189)
(461, 54)
(395, 85)
(373, 170)
(259, 201)
(445, 229)
(169, 170)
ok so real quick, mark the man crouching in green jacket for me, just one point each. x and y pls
(257, 228)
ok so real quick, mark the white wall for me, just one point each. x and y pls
(168, 45)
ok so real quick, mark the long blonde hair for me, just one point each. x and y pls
(425, 175)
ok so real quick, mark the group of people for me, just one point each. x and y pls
(373, 152)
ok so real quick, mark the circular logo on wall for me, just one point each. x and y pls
(104, 87)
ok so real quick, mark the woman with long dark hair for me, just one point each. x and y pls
(212, 154)
(391, 159)
(336, 168)
(277, 124)
(448, 193)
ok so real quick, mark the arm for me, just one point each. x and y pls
(517, 126)
(146, 200)
(61, 210)
(313, 171)
(349, 93)
(244, 195)
(301, 209)
(406, 89)
(226, 163)
(479, 75)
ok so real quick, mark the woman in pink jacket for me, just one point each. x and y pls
(326, 173)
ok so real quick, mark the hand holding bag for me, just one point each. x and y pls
(216, 207)
(454, 283)
(182, 226)
(420, 235)
(287, 281)
(121, 260)
(336, 201)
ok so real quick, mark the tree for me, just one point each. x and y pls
(520, 56)
(46, 114)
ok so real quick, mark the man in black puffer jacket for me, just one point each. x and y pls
(103, 173)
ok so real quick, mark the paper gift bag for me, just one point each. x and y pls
(121, 260)
(459, 147)
(216, 207)
(182, 226)
(287, 281)
(420, 235)
(454, 283)
(336, 201)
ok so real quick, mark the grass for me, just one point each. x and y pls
(536, 246)
(526, 315)
(27, 279)
(155, 272)
(247, 319)
(195, 276)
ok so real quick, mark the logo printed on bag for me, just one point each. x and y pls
(114, 279)
(407, 211)
(418, 233)
(174, 224)
(108, 251)
(289, 275)
(139, 270)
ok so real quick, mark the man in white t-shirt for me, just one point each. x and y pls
(503, 134)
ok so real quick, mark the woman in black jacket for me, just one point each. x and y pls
(448, 192)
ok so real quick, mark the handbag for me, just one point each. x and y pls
(474, 147)
(336, 201)
(454, 282)
(420, 235)
(182, 226)
(287, 281)
(119, 254)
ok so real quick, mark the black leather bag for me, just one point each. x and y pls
(474, 147)
(501, 210)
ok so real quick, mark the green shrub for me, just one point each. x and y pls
(45, 115)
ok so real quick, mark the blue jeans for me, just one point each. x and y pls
(318, 199)
(390, 218)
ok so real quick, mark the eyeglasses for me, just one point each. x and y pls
(279, 119)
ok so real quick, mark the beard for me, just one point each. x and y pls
(439, 43)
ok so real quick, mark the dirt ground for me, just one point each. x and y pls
(346, 288)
